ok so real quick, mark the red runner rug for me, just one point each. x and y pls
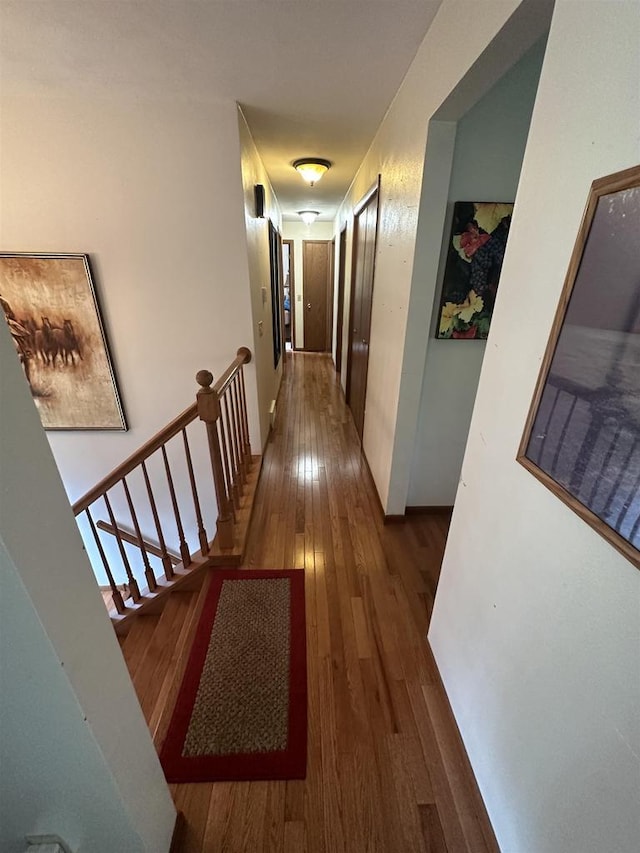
(241, 712)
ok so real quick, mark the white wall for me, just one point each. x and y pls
(298, 232)
(489, 147)
(152, 191)
(76, 755)
(398, 341)
(268, 378)
(536, 621)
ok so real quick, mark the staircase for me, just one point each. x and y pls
(155, 650)
(165, 491)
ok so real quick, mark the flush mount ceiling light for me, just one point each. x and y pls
(308, 216)
(311, 169)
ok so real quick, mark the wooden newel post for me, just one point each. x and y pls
(245, 354)
(209, 412)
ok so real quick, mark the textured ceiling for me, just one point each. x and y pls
(314, 77)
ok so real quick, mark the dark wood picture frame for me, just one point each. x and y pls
(277, 310)
(51, 307)
(582, 434)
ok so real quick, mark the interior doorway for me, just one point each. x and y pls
(365, 226)
(288, 302)
(342, 255)
(497, 123)
(318, 295)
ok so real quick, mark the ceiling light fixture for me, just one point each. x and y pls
(311, 169)
(308, 216)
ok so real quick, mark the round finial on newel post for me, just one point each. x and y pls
(245, 354)
(204, 378)
(206, 398)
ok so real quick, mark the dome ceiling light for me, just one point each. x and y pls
(311, 169)
(308, 216)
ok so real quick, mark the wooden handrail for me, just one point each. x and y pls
(230, 455)
(243, 357)
(132, 539)
(162, 437)
(143, 453)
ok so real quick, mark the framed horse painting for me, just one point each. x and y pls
(50, 305)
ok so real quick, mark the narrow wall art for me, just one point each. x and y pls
(277, 312)
(50, 305)
(582, 436)
(474, 260)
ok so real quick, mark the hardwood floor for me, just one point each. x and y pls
(386, 768)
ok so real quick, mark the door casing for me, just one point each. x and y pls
(342, 256)
(365, 232)
(318, 295)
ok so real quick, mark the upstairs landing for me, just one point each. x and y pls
(387, 771)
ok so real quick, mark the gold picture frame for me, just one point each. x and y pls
(50, 304)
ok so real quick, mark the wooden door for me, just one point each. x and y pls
(316, 273)
(363, 265)
(342, 254)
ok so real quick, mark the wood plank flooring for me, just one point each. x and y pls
(387, 772)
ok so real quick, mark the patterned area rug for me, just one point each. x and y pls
(241, 712)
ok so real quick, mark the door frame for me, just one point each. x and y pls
(329, 296)
(292, 292)
(342, 258)
(357, 210)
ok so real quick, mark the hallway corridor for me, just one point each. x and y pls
(386, 770)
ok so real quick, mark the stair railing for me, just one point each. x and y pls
(222, 407)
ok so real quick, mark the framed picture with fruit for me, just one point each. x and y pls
(475, 252)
